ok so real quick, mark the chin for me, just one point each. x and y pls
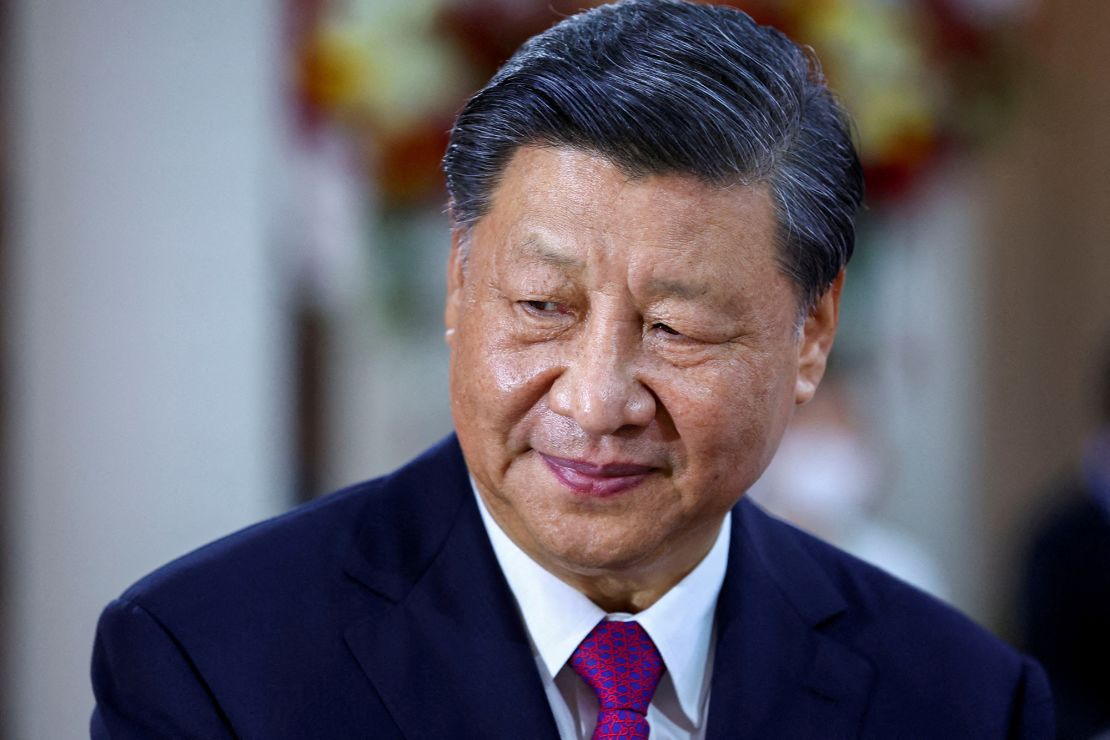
(597, 553)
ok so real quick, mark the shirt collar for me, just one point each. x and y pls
(558, 617)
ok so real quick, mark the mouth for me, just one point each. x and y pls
(592, 479)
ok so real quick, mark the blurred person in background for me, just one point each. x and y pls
(1065, 599)
(653, 208)
(827, 479)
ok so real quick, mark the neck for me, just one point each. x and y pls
(616, 594)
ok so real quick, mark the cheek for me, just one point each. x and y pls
(730, 420)
(498, 384)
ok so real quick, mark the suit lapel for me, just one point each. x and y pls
(777, 672)
(445, 648)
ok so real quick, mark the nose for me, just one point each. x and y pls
(599, 388)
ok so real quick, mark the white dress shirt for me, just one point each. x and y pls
(681, 624)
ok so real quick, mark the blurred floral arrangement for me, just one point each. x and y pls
(920, 77)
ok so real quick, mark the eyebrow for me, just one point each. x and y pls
(677, 288)
(533, 247)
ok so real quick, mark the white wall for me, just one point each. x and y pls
(147, 390)
(928, 393)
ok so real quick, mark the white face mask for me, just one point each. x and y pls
(824, 478)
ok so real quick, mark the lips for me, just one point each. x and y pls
(596, 480)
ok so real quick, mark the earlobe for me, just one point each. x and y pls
(818, 334)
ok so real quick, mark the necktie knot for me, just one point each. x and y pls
(622, 665)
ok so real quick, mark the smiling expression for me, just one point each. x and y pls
(625, 354)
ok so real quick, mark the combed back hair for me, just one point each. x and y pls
(661, 87)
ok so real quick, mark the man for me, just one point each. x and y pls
(654, 204)
(1065, 594)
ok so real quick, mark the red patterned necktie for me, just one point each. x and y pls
(622, 665)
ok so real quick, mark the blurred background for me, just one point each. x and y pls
(222, 251)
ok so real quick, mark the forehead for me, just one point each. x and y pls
(567, 207)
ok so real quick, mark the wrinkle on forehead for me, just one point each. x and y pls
(582, 175)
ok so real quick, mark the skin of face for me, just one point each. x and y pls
(625, 355)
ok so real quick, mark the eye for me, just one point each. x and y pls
(664, 328)
(545, 308)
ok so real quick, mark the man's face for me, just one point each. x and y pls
(625, 356)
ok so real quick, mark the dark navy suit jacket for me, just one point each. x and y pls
(380, 612)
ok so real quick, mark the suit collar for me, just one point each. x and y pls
(444, 647)
(774, 550)
(778, 671)
(407, 520)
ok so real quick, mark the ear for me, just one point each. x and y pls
(455, 275)
(817, 340)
